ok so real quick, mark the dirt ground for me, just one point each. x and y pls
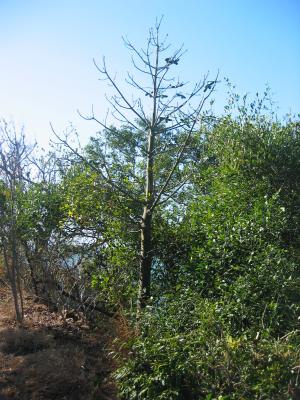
(52, 357)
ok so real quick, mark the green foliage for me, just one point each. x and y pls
(40, 211)
(188, 352)
(99, 217)
(224, 320)
(223, 323)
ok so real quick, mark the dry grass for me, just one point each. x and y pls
(50, 359)
(21, 341)
(124, 329)
(54, 373)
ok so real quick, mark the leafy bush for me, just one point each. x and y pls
(188, 352)
(225, 324)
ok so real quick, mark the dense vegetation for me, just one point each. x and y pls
(222, 318)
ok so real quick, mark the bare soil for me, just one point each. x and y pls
(52, 357)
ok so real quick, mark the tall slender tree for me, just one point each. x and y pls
(160, 120)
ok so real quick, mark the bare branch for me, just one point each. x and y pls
(173, 192)
(183, 148)
(107, 178)
(105, 72)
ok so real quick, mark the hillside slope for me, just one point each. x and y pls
(51, 357)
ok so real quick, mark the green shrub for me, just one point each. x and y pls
(188, 353)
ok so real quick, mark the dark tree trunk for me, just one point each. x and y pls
(146, 259)
(32, 270)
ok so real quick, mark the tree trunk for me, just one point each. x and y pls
(146, 228)
(11, 273)
(32, 270)
(146, 260)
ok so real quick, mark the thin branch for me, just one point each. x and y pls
(179, 156)
(105, 72)
(107, 178)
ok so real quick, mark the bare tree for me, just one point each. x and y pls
(13, 162)
(169, 114)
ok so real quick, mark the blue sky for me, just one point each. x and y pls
(47, 47)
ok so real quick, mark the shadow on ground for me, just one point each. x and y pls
(48, 359)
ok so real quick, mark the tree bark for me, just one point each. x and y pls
(146, 222)
(17, 295)
(146, 260)
(146, 228)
